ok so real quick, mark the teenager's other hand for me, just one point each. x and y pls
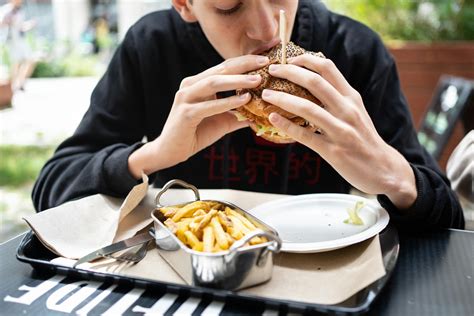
(349, 140)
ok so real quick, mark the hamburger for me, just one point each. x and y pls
(257, 110)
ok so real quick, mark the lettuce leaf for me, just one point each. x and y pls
(261, 129)
(354, 217)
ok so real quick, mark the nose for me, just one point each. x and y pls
(263, 24)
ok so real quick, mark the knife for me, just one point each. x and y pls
(118, 246)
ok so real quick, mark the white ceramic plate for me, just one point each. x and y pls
(315, 222)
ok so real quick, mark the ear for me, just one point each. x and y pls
(184, 9)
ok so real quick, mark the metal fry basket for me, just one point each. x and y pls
(240, 266)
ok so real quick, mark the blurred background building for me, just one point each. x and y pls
(74, 20)
(71, 18)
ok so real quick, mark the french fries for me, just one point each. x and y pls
(193, 241)
(208, 226)
(188, 210)
(244, 221)
(208, 239)
(219, 233)
(169, 211)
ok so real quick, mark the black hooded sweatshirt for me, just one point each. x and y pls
(135, 95)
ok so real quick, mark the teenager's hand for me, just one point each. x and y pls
(349, 141)
(198, 118)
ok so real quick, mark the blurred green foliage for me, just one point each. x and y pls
(4, 56)
(21, 164)
(412, 20)
(73, 65)
(58, 59)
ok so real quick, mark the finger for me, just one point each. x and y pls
(228, 121)
(217, 83)
(236, 65)
(326, 68)
(312, 81)
(302, 107)
(218, 126)
(298, 133)
(209, 108)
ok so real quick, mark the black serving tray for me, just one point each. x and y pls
(32, 251)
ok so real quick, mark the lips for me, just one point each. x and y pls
(263, 48)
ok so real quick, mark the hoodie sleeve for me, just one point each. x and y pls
(95, 159)
(436, 205)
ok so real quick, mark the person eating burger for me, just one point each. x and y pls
(166, 107)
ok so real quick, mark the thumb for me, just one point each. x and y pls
(232, 122)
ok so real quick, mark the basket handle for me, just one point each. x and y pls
(169, 184)
(274, 247)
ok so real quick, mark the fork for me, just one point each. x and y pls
(132, 255)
